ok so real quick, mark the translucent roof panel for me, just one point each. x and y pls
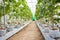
(32, 5)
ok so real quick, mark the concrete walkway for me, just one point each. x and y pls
(31, 32)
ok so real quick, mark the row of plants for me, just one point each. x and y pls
(47, 9)
(47, 14)
(13, 13)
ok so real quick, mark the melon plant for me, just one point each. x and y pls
(45, 9)
(15, 9)
(20, 9)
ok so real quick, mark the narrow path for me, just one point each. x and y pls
(31, 32)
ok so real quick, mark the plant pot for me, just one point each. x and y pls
(59, 27)
(17, 26)
(2, 32)
(10, 28)
(45, 25)
(54, 33)
(53, 28)
(46, 30)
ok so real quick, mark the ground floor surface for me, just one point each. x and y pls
(30, 32)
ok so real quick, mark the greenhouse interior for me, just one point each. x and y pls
(29, 19)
